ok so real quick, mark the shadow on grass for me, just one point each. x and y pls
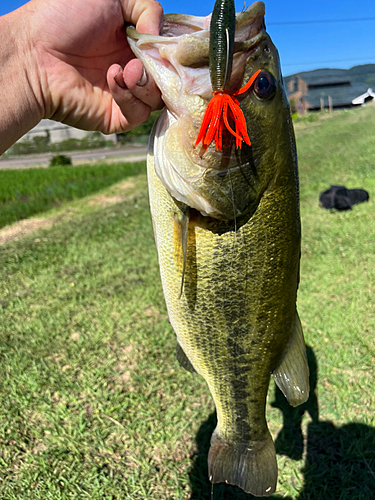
(340, 461)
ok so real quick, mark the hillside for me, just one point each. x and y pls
(364, 73)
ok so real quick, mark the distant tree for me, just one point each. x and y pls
(60, 160)
(293, 106)
(41, 143)
(364, 73)
(142, 130)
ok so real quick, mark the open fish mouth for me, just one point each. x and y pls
(178, 59)
(204, 179)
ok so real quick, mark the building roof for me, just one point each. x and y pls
(346, 87)
(321, 76)
(341, 95)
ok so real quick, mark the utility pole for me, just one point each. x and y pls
(330, 107)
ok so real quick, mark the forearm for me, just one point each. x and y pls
(20, 104)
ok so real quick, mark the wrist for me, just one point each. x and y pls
(21, 99)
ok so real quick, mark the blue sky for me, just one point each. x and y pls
(303, 44)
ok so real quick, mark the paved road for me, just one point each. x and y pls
(126, 153)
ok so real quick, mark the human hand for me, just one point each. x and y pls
(86, 71)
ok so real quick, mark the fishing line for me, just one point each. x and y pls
(235, 226)
(234, 209)
(327, 62)
(319, 21)
(226, 76)
(235, 231)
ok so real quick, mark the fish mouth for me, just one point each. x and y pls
(183, 45)
(181, 24)
(178, 60)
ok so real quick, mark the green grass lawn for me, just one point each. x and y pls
(92, 402)
(24, 193)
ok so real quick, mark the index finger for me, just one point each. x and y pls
(145, 15)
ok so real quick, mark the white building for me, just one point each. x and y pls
(59, 132)
(364, 98)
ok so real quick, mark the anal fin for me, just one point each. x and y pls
(183, 359)
(292, 375)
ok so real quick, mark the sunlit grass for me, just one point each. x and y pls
(93, 403)
(24, 193)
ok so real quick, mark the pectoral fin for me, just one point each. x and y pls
(183, 359)
(292, 375)
(181, 237)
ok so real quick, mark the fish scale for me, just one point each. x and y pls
(227, 230)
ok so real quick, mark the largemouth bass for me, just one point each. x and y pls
(227, 230)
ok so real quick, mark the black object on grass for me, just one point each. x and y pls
(341, 198)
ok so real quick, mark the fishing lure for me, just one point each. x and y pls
(224, 104)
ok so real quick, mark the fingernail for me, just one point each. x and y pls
(143, 80)
(119, 79)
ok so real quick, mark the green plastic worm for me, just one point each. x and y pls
(222, 29)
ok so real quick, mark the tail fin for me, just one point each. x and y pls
(251, 466)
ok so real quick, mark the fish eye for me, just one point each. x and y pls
(265, 85)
